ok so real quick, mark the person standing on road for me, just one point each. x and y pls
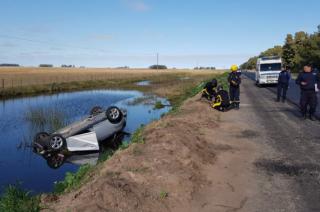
(234, 80)
(283, 84)
(308, 81)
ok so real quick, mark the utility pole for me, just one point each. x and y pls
(157, 61)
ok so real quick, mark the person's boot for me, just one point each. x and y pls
(312, 118)
(283, 100)
(237, 106)
(304, 116)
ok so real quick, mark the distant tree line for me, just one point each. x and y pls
(45, 65)
(205, 68)
(297, 50)
(67, 66)
(123, 67)
(158, 67)
(9, 65)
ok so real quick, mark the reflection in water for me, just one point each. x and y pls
(56, 159)
(22, 118)
(144, 83)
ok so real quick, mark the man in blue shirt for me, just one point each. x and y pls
(283, 84)
(308, 82)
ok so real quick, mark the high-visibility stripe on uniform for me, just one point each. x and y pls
(217, 102)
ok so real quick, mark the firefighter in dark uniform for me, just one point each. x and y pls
(308, 82)
(209, 90)
(221, 100)
(234, 80)
(283, 84)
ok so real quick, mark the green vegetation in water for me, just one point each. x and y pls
(14, 199)
(50, 119)
(158, 105)
(147, 99)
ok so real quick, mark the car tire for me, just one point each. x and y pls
(114, 115)
(41, 136)
(39, 141)
(55, 161)
(96, 110)
(57, 142)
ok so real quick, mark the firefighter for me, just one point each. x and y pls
(283, 84)
(234, 80)
(221, 101)
(209, 90)
(308, 81)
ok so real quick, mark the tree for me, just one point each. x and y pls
(275, 51)
(288, 52)
(158, 67)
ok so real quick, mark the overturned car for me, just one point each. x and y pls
(84, 135)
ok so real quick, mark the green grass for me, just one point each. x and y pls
(176, 101)
(33, 90)
(73, 180)
(163, 194)
(137, 136)
(15, 199)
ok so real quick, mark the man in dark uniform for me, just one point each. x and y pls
(221, 100)
(283, 84)
(308, 81)
(234, 80)
(209, 90)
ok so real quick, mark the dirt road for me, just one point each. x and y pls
(261, 158)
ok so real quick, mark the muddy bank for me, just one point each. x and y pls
(185, 159)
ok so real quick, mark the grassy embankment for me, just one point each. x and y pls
(170, 86)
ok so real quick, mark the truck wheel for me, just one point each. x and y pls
(57, 142)
(114, 115)
(258, 84)
(96, 110)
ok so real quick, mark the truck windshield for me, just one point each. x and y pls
(270, 67)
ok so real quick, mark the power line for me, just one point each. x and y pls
(50, 43)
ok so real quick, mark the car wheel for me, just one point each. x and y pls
(39, 142)
(114, 115)
(55, 161)
(41, 136)
(96, 110)
(57, 142)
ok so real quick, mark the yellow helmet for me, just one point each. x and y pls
(234, 68)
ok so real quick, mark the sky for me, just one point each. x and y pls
(114, 33)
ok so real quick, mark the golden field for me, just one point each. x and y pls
(19, 77)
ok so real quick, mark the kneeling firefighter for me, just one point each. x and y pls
(209, 90)
(221, 100)
(234, 80)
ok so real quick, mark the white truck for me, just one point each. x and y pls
(267, 70)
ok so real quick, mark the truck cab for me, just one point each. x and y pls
(267, 70)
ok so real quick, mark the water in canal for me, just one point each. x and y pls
(21, 119)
